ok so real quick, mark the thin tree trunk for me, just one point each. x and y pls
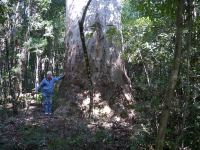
(25, 53)
(145, 69)
(37, 70)
(11, 84)
(11, 51)
(81, 28)
(18, 17)
(189, 46)
(172, 80)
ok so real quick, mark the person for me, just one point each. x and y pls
(47, 90)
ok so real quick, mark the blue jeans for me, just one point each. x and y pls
(47, 104)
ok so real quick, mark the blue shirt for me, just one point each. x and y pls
(47, 86)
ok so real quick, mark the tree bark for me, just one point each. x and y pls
(173, 78)
(190, 9)
(37, 69)
(88, 70)
(24, 51)
(102, 31)
(10, 78)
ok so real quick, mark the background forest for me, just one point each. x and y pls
(32, 41)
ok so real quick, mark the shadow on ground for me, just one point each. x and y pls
(32, 130)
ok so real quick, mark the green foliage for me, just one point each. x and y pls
(59, 144)
(111, 32)
(113, 35)
(3, 11)
(155, 9)
(37, 43)
(35, 136)
(148, 32)
(37, 22)
(39, 98)
(43, 5)
(89, 35)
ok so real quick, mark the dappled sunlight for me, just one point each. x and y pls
(106, 114)
(30, 118)
(86, 102)
(77, 7)
(103, 111)
(128, 96)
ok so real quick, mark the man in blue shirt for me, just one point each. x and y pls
(47, 90)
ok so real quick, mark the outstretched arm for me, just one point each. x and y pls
(59, 78)
(62, 77)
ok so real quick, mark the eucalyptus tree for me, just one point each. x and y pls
(103, 35)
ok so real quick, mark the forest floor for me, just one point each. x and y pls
(32, 130)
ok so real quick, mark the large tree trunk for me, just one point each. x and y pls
(110, 83)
